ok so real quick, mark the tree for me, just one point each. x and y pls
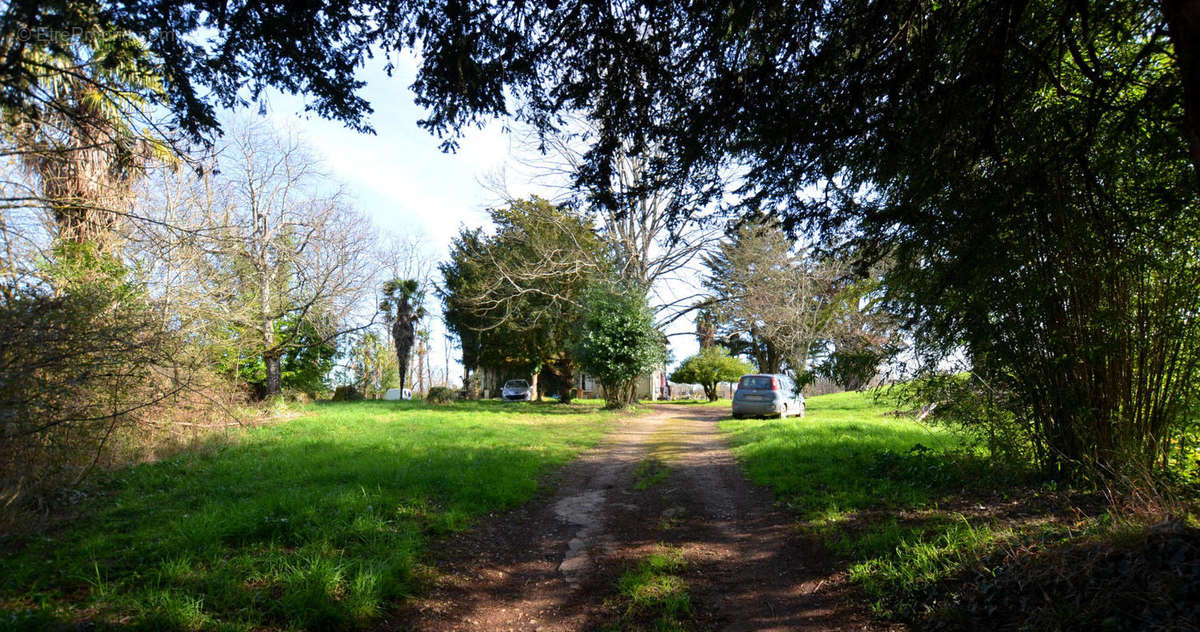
(461, 277)
(517, 294)
(402, 307)
(710, 366)
(83, 136)
(618, 342)
(78, 116)
(303, 364)
(372, 364)
(268, 262)
(706, 326)
(780, 304)
(863, 334)
(748, 276)
(647, 70)
(808, 312)
(648, 245)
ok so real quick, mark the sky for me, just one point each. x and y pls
(410, 187)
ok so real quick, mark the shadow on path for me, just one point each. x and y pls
(552, 564)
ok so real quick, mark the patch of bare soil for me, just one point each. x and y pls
(553, 564)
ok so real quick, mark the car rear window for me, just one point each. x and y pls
(756, 382)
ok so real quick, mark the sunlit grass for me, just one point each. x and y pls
(833, 459)
(870, 483)
(317, 522)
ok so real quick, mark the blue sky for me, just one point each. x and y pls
(402, 180)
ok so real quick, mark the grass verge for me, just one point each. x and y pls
(652, 595)
(315, 523)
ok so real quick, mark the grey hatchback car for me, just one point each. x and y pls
(769, 394)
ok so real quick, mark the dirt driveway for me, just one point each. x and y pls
(553, 564)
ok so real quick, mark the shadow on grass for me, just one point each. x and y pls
(314, 523)
(905, 505)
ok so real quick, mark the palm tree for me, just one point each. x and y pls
(84, 129)
(401, 305)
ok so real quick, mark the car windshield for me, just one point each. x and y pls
(516, 384)
(756, 382)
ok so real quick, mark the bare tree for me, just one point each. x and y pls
(780, 305)
(260, 252)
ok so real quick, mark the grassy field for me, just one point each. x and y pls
(938, 537)
(315, 522)
(884, 491)
(847, 454)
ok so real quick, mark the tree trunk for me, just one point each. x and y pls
(267, 324)
(613, 395)
(403, 333)
(274, 375)
(420, 376)
(1183, 27)
(533, 386)
(710, 391)
(565, 370)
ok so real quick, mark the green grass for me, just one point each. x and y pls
(649, 473)
(872, 484)
(314, 523)
(846, 454)
(652, 595)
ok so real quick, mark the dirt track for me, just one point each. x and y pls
(552, 564)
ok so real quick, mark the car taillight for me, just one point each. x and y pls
(774, 384)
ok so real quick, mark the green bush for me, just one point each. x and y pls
(440, 395)
(346, 394)
(618, 342)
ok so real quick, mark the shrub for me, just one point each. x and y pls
(346, 393)
(82, 357)
(440, 395)
(618, 342)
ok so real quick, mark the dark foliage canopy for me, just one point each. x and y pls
(786, 85)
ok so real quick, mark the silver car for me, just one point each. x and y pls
(516, 391)
(767, 394)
